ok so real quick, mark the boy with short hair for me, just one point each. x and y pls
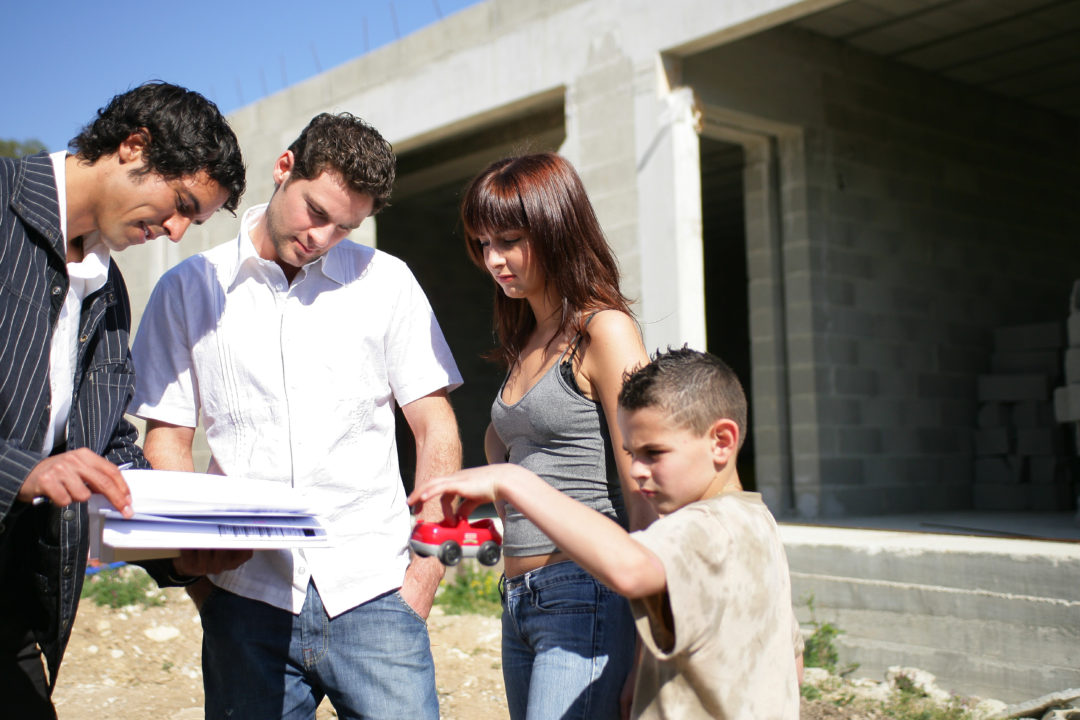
(709, 580)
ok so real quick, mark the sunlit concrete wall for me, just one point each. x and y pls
(893, 218)
(628, 131)
(917, 215)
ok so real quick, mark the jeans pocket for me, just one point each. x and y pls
(409, 608)
(568, 596)
(209, 603)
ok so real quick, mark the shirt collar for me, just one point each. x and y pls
(332, 264)
(245, 249)
(93, 269)
(59, 160)
(247, 259)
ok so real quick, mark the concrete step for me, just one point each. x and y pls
(976, 642)
(1005, 680)
(1030, 567)
(961, 607)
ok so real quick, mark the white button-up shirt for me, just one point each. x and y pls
(84, 278)
(297, 384)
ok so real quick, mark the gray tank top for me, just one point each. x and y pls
(561, 436)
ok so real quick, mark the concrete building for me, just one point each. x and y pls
(843, 199)
(846, 199)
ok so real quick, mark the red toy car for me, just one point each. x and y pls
(455, 538)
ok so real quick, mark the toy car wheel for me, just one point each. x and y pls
(488, 554)
(450, 553)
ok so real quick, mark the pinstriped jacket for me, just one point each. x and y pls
(43, 548)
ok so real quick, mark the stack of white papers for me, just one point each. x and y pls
(180, 510)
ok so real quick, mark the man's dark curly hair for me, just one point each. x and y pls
(186, 134)
(346, 144)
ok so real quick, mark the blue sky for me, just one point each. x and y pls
(63, 59)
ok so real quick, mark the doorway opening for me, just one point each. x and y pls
(727, 305)
(422, 227)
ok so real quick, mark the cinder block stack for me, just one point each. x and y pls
(1067, 397)
(1021, 460)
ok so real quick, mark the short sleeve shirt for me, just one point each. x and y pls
(719, 640)
(297, 384)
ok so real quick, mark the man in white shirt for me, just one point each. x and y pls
(155, 160)
(295, 345)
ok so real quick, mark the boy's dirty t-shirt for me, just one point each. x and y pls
(720, 640)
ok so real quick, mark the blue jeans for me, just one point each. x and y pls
(262, 663)
(567, 645)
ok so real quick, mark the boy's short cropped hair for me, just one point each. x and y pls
(694, 388)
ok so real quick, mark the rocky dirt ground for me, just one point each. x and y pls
(138, 662)
(143, 662)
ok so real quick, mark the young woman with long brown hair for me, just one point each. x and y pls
(566, 336)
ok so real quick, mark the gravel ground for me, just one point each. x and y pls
(138, 662)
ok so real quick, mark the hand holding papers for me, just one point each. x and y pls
(175, 510)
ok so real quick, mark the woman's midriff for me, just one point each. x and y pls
(514, 566)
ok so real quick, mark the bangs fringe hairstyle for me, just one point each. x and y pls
(542, 195)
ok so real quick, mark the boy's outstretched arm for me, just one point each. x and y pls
(596, 543)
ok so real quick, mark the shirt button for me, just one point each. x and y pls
(57, 290)
(69, 514)
(84, 338)
(301, 570)
(68, 571)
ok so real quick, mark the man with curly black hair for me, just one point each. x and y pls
(155, 160)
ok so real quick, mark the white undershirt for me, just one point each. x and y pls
(84, 278)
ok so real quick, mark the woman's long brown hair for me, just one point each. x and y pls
(542, 195)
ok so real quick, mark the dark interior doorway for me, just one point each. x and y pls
(727, 305)
(424, 231)
(422, 227)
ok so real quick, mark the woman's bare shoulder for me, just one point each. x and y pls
(613, 324)
(614, 339)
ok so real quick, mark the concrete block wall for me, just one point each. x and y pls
(990, 617)
(489, 60)
(765, 279)
(904, 200)
(599, 118)
(927, 215)
(1020, 458)
(1066, 398)
(446, 79)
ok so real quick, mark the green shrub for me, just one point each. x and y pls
(470, 591)
(910, 702)
(128, 585)
(820, 648)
